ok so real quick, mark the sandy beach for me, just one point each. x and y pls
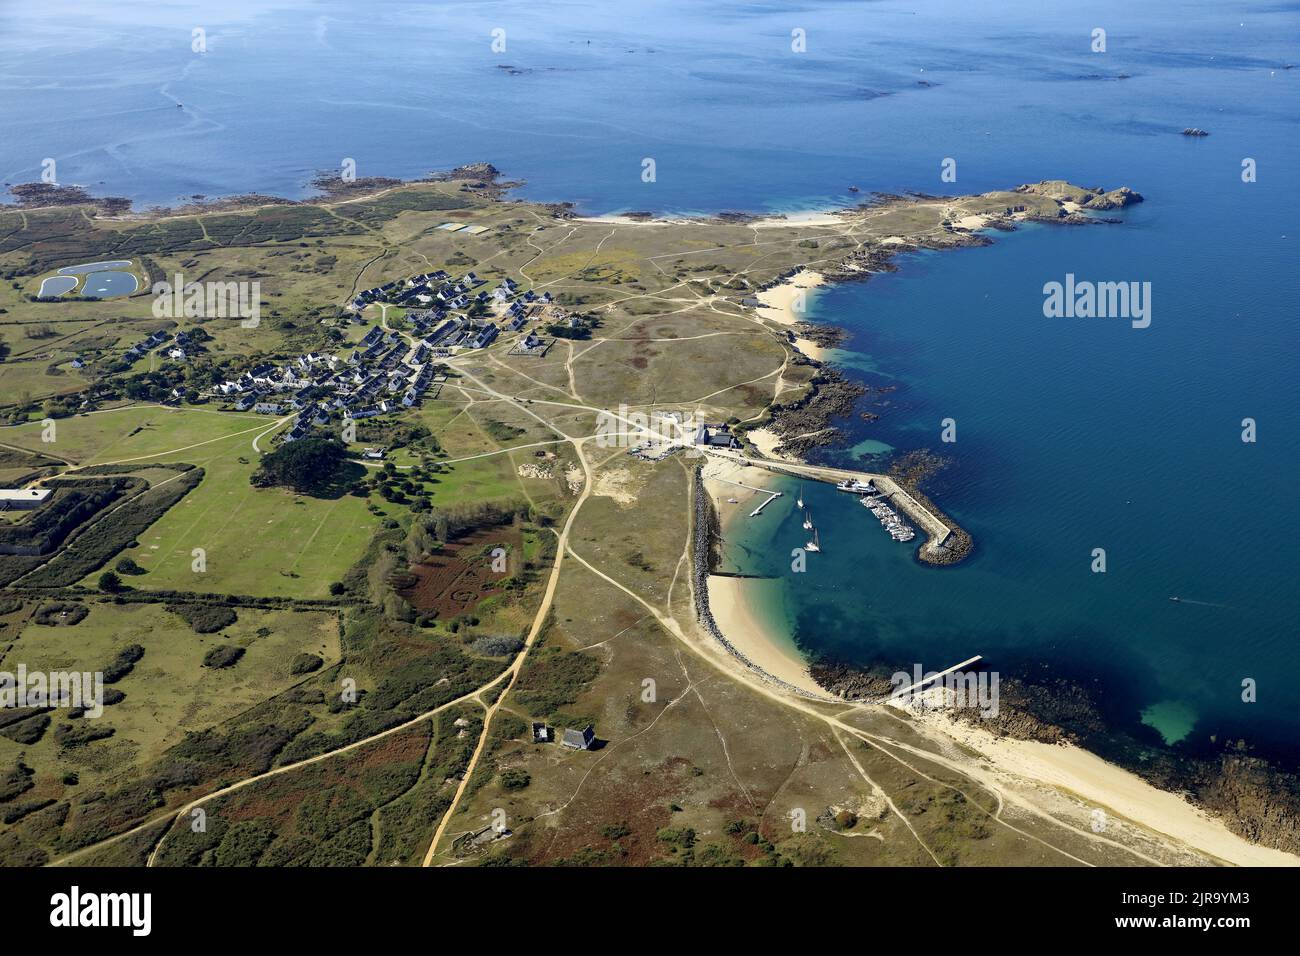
(766, 441)
(972, 223)
(739, 607)
(786, 303)
(799, 219)
(1076, 771)
(736, 603)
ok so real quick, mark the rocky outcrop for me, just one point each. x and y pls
(1115, 199)
(35, 195)
(805, 424)
(851, 682)
(909, 471)
(1093, 197)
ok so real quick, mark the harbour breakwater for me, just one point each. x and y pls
(945, 543)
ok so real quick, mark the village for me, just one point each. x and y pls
(386, 370)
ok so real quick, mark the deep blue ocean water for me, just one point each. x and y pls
(1072, 434)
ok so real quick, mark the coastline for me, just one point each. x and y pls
(327, 189)
(1065, 766)
(1082, 774)
(735, 619)
(785, 303)
(737, 605)
(732, 608)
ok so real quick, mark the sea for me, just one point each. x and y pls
(1072, 435)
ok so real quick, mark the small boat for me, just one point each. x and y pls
(815, 544)
(799, 501)
(1175, 599)
(856, 487)
(807, 521)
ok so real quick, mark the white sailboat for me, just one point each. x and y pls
(807, 521)
(815, 544)
(799, 501)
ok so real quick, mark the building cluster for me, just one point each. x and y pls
(382, 375)
(715, 436)
(438, 290)
(386, 370)
(574, 739)
(462, 313)
(177, 347)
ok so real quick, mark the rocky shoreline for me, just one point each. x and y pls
(483, 178)
(805, 423)
(1256, 799)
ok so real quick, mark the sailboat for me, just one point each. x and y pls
(799, 501)
(807, 521)
(815, 544)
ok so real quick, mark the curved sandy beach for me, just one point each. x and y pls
(786, 303)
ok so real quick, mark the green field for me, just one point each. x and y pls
(259, 541)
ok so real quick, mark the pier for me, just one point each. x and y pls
(771, 495)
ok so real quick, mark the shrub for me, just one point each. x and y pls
(553, 678)
(67, 613)
(14, 781)
(110, 582)
(515, 779)
(223, 655)
(204, 618)
(305, 664)
(121, 665)
(500, 645)
(304, 465)
(81, 732)
(71, 505)
(27, 732)
(18, 811)
(106, 537)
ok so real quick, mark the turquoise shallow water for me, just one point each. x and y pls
(1072, 434)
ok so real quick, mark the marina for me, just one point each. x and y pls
(898, 529)
(877, 502)
(891, 503)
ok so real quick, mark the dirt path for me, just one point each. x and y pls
(175, 815)
(538, 622)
